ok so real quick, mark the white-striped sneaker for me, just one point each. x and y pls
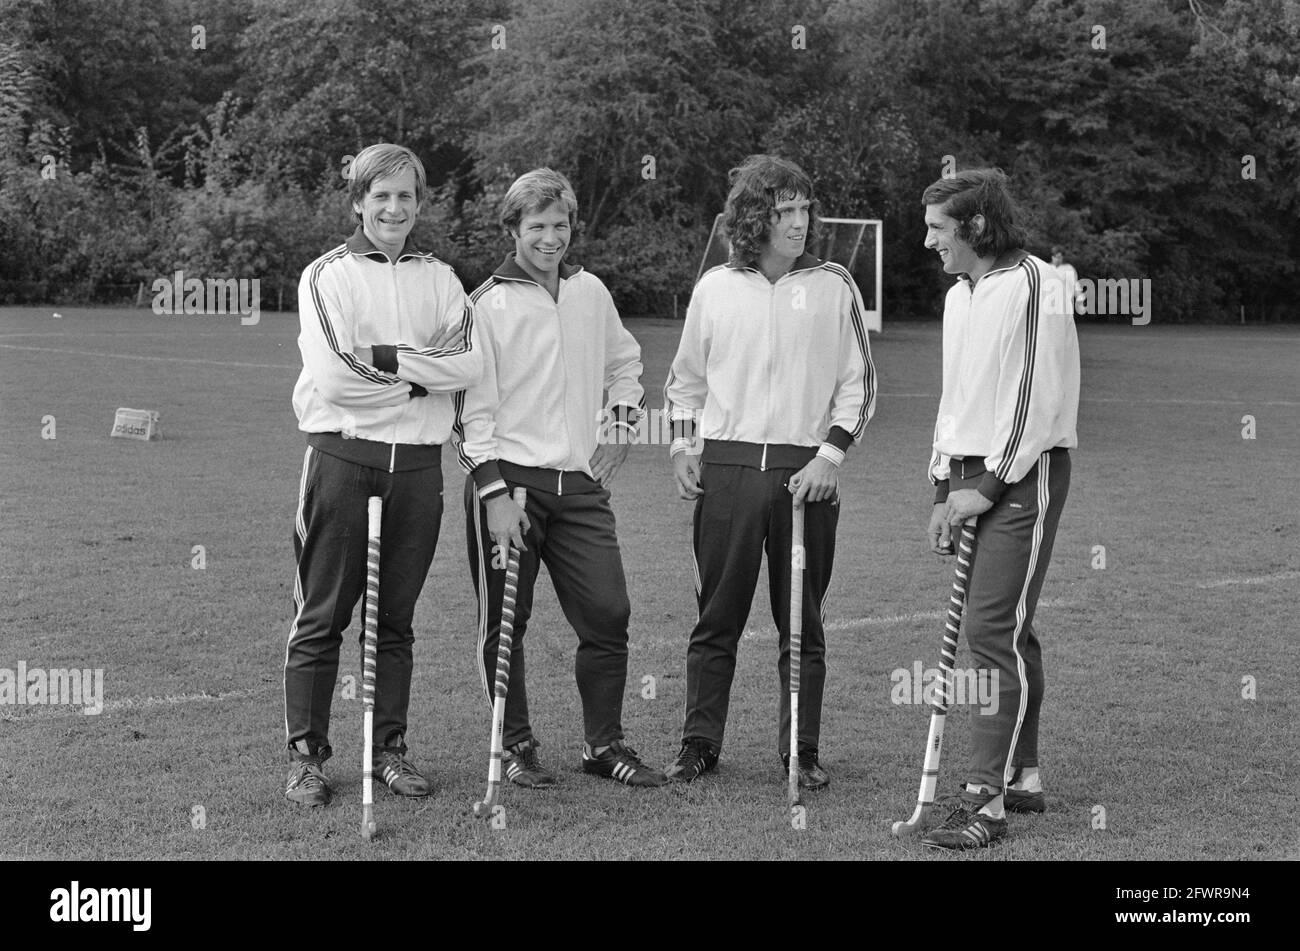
(621, 762)
(523, 767)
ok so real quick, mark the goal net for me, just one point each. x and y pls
(854, 243)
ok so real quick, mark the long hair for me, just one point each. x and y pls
(979, 191)
(757, 186)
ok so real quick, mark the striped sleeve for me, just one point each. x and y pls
(474, 431)
(854, 400)
(1028, 398)
(328, 336)
(439, 369)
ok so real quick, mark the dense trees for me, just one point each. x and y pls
(1153, 138)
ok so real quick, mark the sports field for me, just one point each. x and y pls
(1168, 726)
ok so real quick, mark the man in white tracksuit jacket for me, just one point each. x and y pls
(774, 373)
(553, 346)
(386, 340)
(1001, 453)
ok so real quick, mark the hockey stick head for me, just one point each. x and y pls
(918, 824)
(483, 810)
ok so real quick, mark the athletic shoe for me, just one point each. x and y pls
(811, 774)
(961, 825)
(621, 762)
(1019, 801)
(306, 784)
(978, 833)
(695, 759)
(395, 771)
(523, 767)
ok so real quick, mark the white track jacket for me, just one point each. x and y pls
(1010, 373)
(547, 365)
(779, 363)
(353, 297)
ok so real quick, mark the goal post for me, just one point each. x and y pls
(857, 244)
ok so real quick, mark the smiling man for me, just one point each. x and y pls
(1007, 420)
(386, 340)
(774, 372)
(553, 345)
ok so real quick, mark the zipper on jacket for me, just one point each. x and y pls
(762, 464)
(559, 483)
(392, 459)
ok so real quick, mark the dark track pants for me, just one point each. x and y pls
(330, 539)
(573, 534)
(743, 513)
(1013, 546)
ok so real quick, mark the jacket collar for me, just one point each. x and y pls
(358, 243)
(1004, 262)
(511, 271)
(805, 262)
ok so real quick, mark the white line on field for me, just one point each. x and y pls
(1243, 401)
(127, 703)
(848, 624)
(1260, 579)
(137, 356)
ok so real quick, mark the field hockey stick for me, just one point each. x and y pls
(369, 646)
(505, 644)
(796, 642)
(947, 661)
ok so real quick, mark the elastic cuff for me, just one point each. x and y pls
(991, 487)
(490, 492)
(682, 445)
(384, 357)
(839, 438)
(625, 414)
(941, 491)
(831, 454)
(486, 475)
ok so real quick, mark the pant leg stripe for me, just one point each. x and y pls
(484, 566)
(1044, 498)
(300, 529)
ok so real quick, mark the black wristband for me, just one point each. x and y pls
(384, 357)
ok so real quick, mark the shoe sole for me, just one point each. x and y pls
(401, 795)
(663, 781)
(308, 801)
(541, 784)
(1030, 804)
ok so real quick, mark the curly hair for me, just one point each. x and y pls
(757, 186)
(979, 191)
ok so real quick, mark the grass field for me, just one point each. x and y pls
(1145, 727)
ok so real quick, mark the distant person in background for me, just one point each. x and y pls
(1000, 453)
(1069, 277)
(386, 340)
(774, 374)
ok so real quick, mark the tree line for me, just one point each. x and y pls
(1152, 139)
